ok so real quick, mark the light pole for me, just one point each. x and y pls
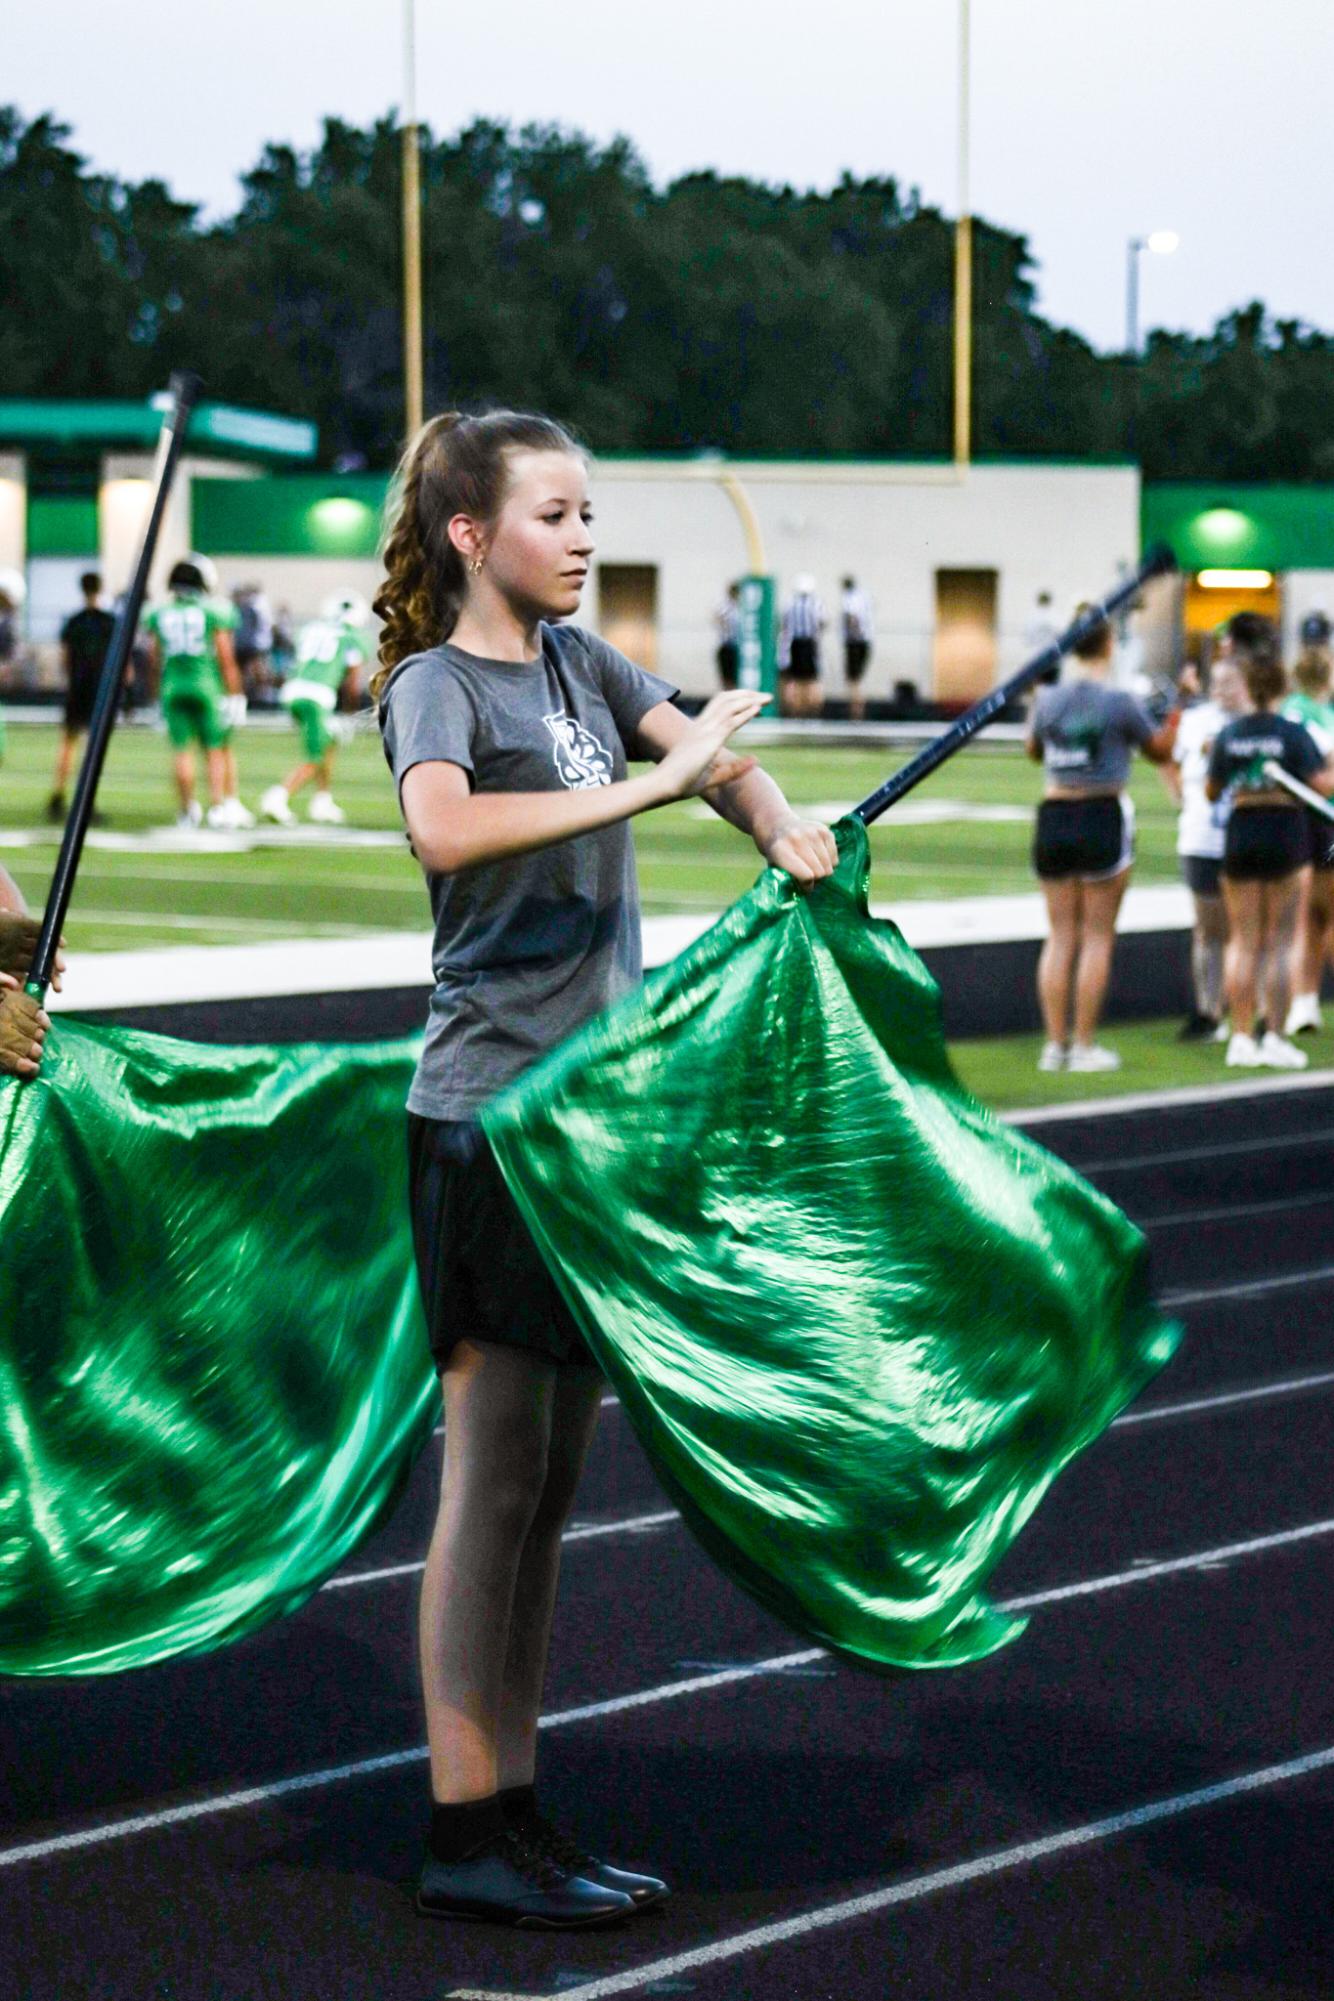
(413, 395)
(963, 268)
(1162, 242)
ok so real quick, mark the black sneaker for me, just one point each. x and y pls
(1198, 1028)
(566, 1853)
(55, 808)
(509, 1881)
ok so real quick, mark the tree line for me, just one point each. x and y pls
(715, 313)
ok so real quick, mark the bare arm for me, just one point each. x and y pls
(452, 828)
(740, 792)
(231, 673)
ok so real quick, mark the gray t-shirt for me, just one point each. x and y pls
(1087, 733)
(528, 948)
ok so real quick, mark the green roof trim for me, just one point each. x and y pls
(1227, 527)
(220, 427)
(301, 514)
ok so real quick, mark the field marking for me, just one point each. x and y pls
(1269, 1144)
(274, 1789)
(996, 1862)
(1248, 1288)
(1183, 1095)
(1292, 1386)
(631, 1525)
(1284, 1206)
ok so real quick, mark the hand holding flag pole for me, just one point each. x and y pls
(1159, 562)
(183, 393)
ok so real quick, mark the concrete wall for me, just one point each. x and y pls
(1065, 529)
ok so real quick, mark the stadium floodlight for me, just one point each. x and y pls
(1162, 243)
(1234, 580)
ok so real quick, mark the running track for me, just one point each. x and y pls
(1136, 1800)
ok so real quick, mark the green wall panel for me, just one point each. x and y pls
(62, 524)
(302, 516)
(1242, 527)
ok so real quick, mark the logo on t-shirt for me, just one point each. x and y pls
(580, 759)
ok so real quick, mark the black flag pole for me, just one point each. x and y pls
(1159, 562)
(183, 392)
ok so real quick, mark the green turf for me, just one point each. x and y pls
(689, 861)
(1003, 1070)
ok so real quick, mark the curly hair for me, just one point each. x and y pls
(454, 465)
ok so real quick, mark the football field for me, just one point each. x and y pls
(965, 832)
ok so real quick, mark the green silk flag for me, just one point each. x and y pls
(859, 1324)
(213, 1374)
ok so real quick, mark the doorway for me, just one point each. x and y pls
(628, 610)
(964, 656)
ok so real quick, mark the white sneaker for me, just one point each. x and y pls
(1276, 1053)
(1243, 1052)
(216, 817)
(1091, 1056)
(276, 806)
(1052, 1057)
(239, 816)
(192, 816)
(1222, 1033)
(1303, 1015)
(326, 812)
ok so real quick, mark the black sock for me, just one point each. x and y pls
(459, 1829)
(517, 1803)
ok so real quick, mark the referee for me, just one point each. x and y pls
(84, 640)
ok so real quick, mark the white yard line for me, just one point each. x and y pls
(1249, 1289)
(912, 1889)
(700, 1684)
(591, 1532)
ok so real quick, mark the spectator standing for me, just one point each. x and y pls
(253, 641)
(799, 650)
(1312, 704)
(1039, 634)
(1200, 839)
(727, 619)
(1266, 851)
(85, 639)
(1084, 733)
(857, 620)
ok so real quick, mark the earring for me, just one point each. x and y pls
(475, 568)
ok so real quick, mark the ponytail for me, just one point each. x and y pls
(454, 465)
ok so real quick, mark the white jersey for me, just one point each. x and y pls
(857, 617)
(1202, 826)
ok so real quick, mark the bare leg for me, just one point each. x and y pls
(64, 759)
(183, 769)
(1243, 900)
(498, 1409)
(574, 1419)
(1102, 901)
(1056, 964)
(1315, 935)
(303, 774)
(1208, 942)
(221, 771)
(1281, 904)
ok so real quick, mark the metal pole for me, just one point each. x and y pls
(413, 385)
(963, 265)
(184, 391)
(1133, 248)
(1157, 563)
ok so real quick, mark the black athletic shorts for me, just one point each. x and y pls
(728, 657)
(79, 699)
(804, 660)
(1319, 839)
(1265, 843)
(1093, 839)
(1202, 874)
(481, 1274)
(856, 653)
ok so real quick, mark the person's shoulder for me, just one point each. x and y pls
(576, 642)
(421, 676)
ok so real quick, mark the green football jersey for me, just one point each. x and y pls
(1316, 716)
(325, 650)
(186, 628)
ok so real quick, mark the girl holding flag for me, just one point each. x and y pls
(509, 736)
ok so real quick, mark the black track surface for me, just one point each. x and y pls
(796, 1791)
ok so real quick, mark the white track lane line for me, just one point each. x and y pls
(1154, 1414)
(669, 1691)
(1285, 1206)
(1248, 1288)
(998, 1862)
(1270, 1144)
(631, 1525)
